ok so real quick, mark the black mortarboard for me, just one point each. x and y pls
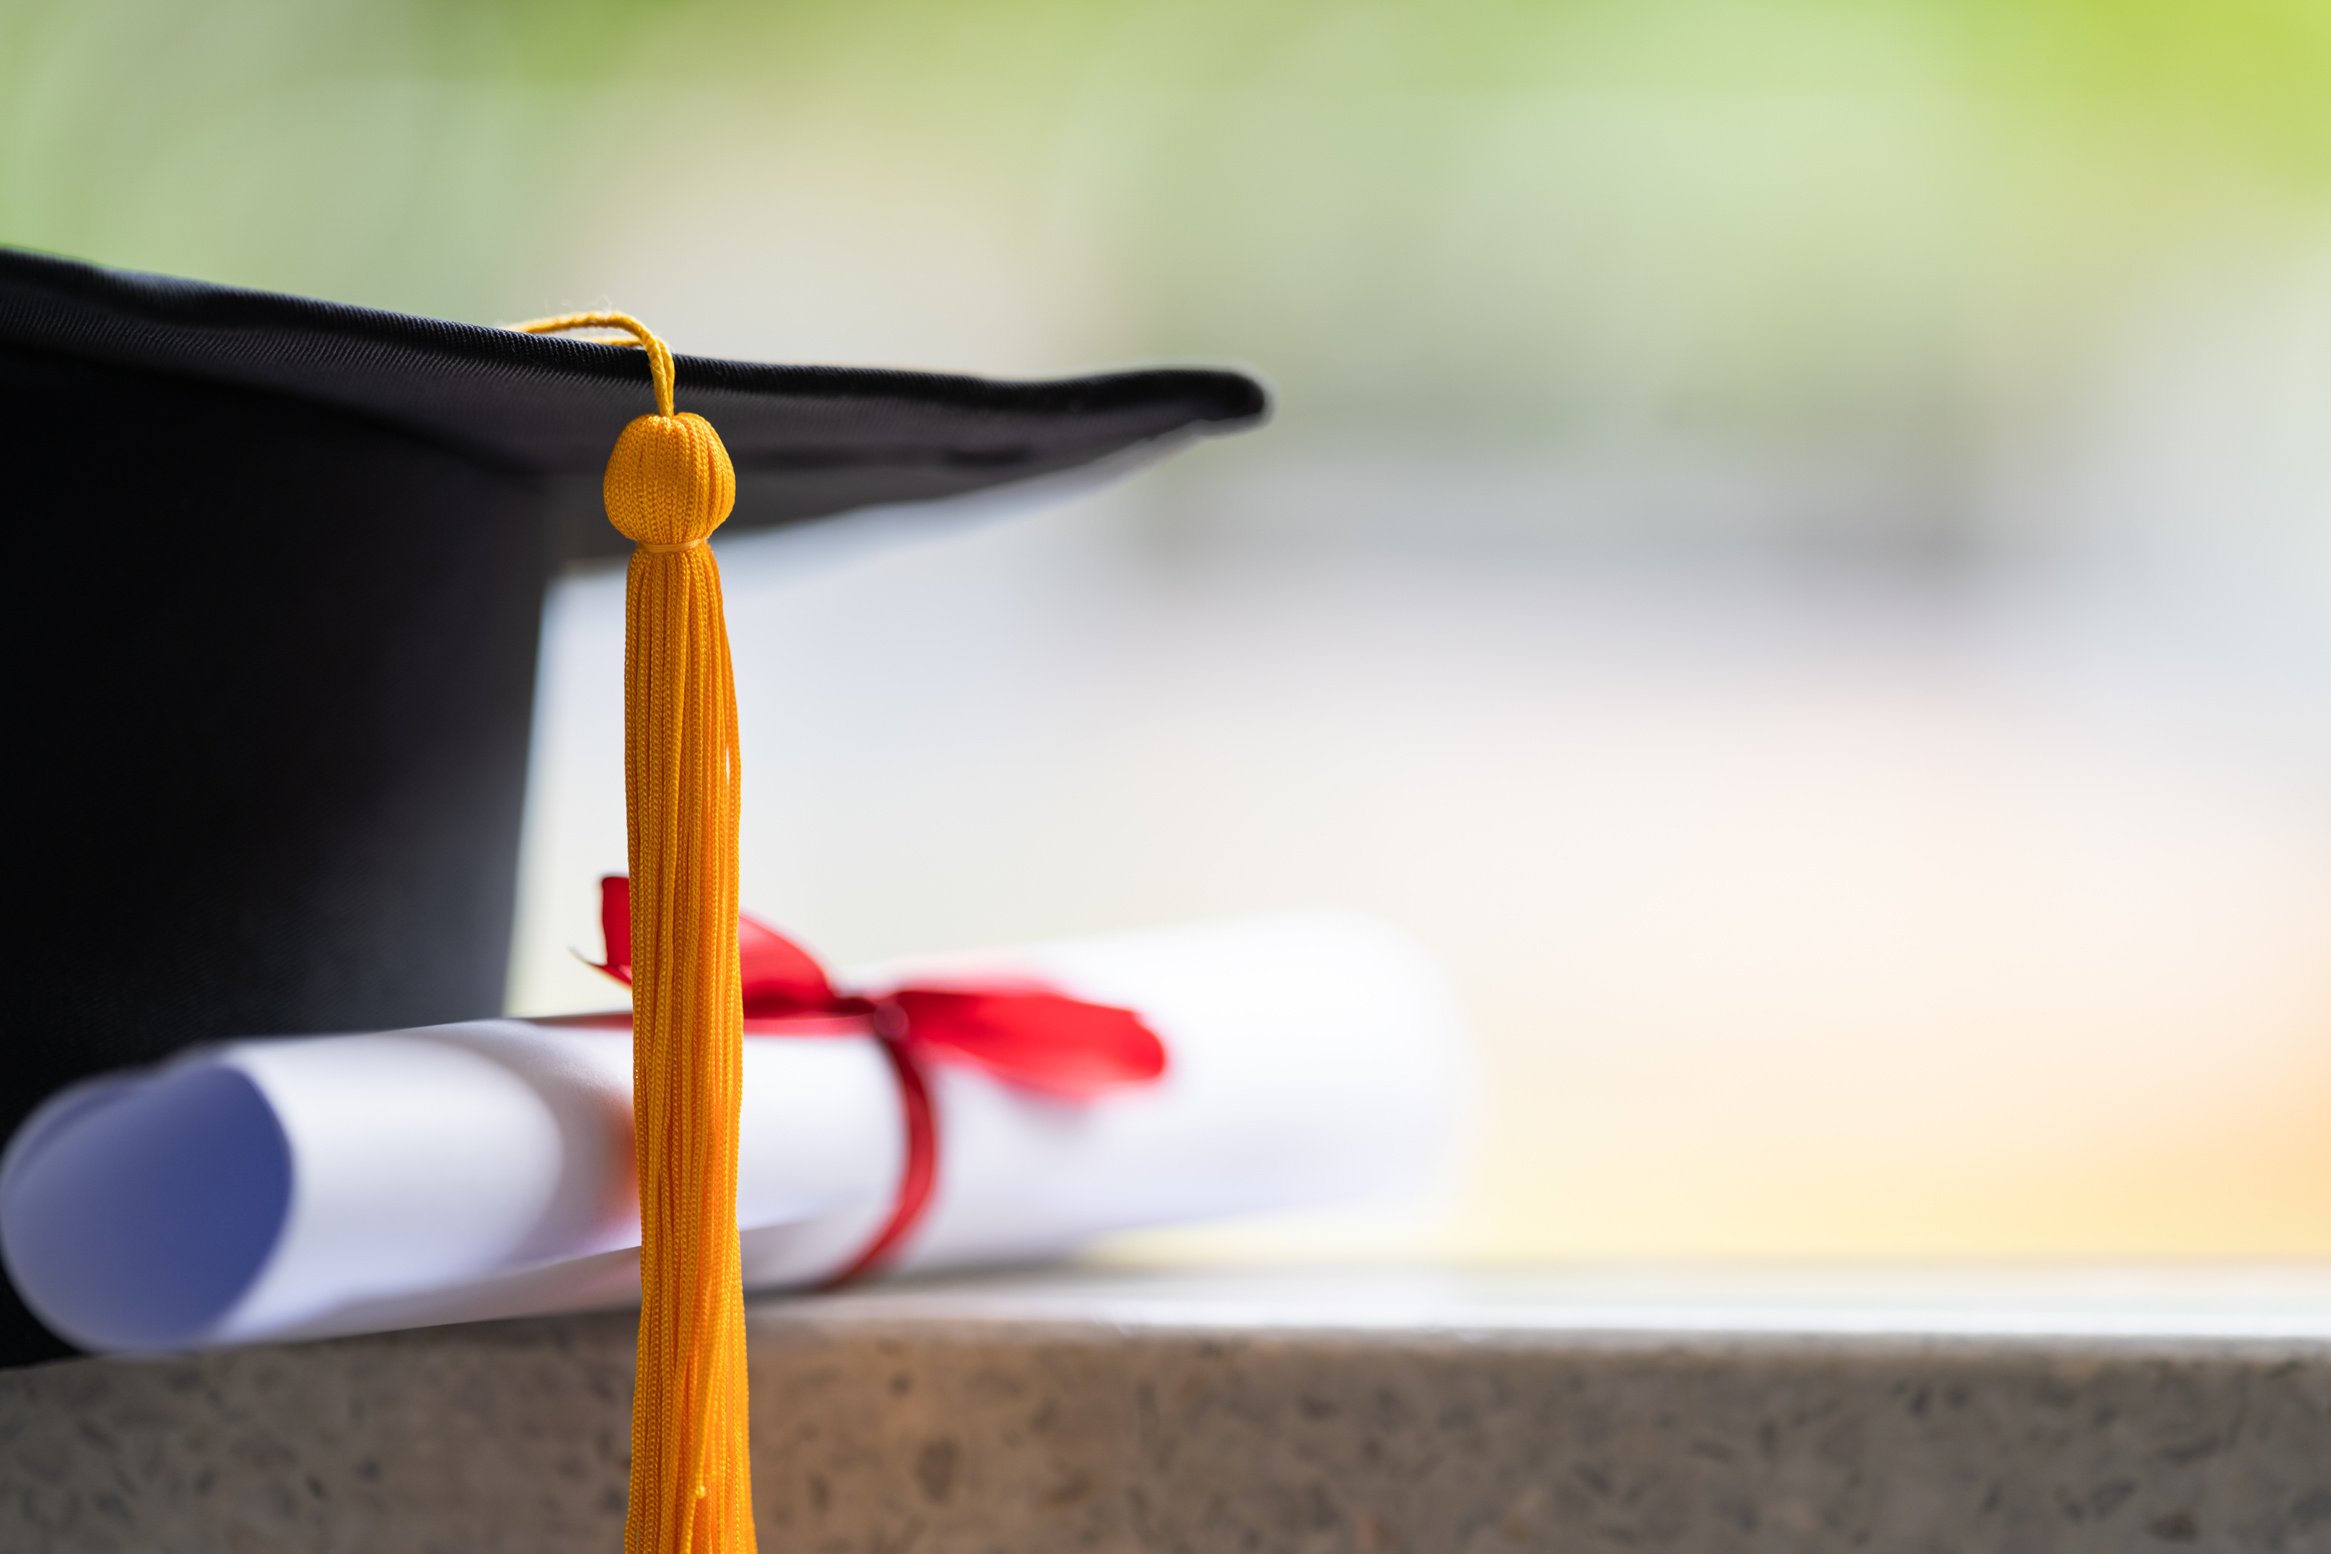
(281, 564)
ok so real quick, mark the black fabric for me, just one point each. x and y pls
(807, 441)
(272, 619)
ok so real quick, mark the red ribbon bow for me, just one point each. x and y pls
(1022, 1033)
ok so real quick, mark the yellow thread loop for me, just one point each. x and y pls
(659, 355)
(669, 485)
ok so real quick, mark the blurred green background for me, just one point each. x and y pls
(1795, 553)
(1769, 219)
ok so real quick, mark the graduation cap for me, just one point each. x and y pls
(280, 570)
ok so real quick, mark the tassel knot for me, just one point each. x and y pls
(669, 482)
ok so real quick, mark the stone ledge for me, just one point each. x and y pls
(1367, 1413)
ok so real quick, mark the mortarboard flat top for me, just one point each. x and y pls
(807, 440)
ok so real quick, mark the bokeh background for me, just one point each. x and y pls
(1795, 553)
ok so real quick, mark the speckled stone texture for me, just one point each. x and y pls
(936, 1423)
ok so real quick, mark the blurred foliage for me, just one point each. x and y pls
(1767, 215)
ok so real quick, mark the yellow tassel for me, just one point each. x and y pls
(669, 485)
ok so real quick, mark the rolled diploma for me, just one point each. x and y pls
(358, 1183)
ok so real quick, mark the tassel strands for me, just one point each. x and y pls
(669, 485)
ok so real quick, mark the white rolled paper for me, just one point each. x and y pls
(356, 1183)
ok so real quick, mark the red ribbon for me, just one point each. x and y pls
(1019, 1032)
